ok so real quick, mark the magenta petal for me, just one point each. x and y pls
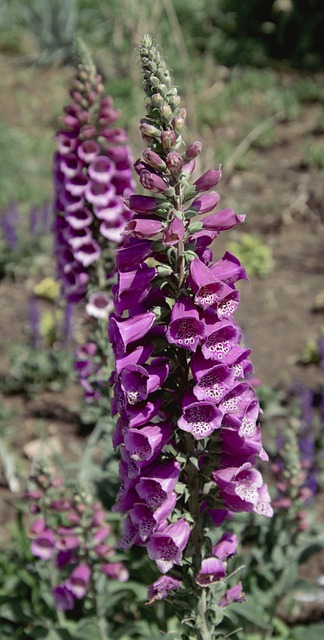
(78, 581)
(200, 419)
(206, 202)
(44, 545)
(166, 547)
(124, 332)
(161, 588)
(143, 228)
(158, 483)
(226, 546)
(212, 570)
(64, 599)
(222, 220)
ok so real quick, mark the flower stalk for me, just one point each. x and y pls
(181, 375)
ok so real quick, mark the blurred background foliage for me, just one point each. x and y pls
(257, 32)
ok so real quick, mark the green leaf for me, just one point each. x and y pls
(310, 631)
(87, 629)
(251, 612)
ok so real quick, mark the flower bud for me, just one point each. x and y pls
(194, 150)
(165, 113)
(157, 100)
(153, 159)
(208, 180)
(152, 182)
(178, 123)
(149, 130)
(168, 139)
(174, 162)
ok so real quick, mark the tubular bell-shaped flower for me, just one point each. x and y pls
(179, 382)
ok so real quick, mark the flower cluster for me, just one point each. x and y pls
(188, 419)
(92, 171)
(70, 529)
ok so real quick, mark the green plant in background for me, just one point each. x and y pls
(256, 255)
(313, 155)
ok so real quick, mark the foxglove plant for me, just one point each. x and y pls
(188, 419)
(92, 171)
(69, 531)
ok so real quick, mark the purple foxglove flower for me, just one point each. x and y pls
(143, 228)
(112, 232)
(228, 305)
(99, 193)
(173, 232)
(212, 382)
(205, 203)
(68, 543)
(72, 203)
(130, 534)
(137, 356)
(226, 546)
(88, 150)
(166, 547)
(141, 414)
(222, 220)
(228, 269)
(137, 382)
(209, 291)
(101, 169)
(161, 587)
(70, 166)
(44, 545)
(88, 253)
(242, 489)
(76, 186)
(220, 339)
(143, 204)
(148, 521)
(99, 306)
(133, 287)
(199, 418)
(237, 449)
(122, 333)
(132, 253)
(64, 599)
(115, 571)
(78, 582)
(234, 594)
(235, 403)
(76, 238)
(152, 182)
(158, 483)
(80, 219)
(146, 443)
(208, 180)
(112, 213)
(37, 527)
(212, 570)
(67, 142)
(63, 558)
(185, 329)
